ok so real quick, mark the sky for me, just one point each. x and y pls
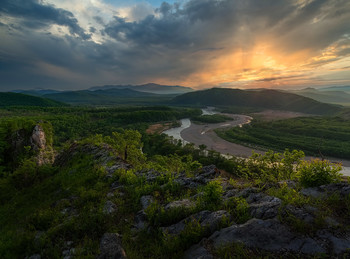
(76, 44)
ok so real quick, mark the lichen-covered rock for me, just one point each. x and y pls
(262, 206)
(35, 256)
(146, 200)
(197, 252)
(300, 213)
(209, 221)
(247, 191)
(343, 189)
(314, 192)
(109, 208)
(186, 182)
(101, 154)
(269, 235)
(140, 220)
(230, 193)
(68, 253)
(111, 247)
(340, 245)
(206, 174)
(185, 203)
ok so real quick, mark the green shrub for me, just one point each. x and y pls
(238, 208)
(316, 172)
(271, 166)
(158, 216)
(210, 196)
(289, 195)
(25, 175)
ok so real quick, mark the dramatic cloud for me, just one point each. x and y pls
(198, 43)
(34, 15)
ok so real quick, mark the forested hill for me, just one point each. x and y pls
(17, 99)
(267, 99)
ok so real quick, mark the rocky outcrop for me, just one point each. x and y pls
(100, 154)
(31, 142)
(109, 208)
(40, 145)
(111, 247)
(185, 203)
(262, 206)
(264, 224)
(38, 139)
(342, 189)
(269, 235)
(208, 221)
(146, 200)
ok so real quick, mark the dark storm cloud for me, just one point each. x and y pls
(99, 20)
(34, 15)
(207, 23)
(175, 42)
(270, 79)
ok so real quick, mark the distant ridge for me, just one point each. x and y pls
(17, 99)
(36, 92)
(345, 88)
(109, 96)
(149, 88)
(326, 96)
(266, 99)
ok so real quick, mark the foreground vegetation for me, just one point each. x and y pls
(317, 136)
(49, 209)
(111, 177)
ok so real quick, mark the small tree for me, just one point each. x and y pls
(128, 145)
(316, 172)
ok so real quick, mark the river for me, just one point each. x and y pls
(204, 134)
(176, 132)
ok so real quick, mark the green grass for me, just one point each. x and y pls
(329, 136)
(36, 208)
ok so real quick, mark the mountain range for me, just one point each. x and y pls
(309, 100)
(113, 94)
(345, 88)
(335, 95)
(265, 99)
(149, 88)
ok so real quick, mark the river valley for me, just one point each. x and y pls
(199, 134)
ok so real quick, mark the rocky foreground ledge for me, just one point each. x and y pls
(274, 226)
(206, 214)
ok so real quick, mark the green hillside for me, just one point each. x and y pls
(316, 136)
(264, 99)
(17, 99)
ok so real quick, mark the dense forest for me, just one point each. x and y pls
(17, 99)
(74, 123)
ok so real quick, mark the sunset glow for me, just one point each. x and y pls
(196, 43)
